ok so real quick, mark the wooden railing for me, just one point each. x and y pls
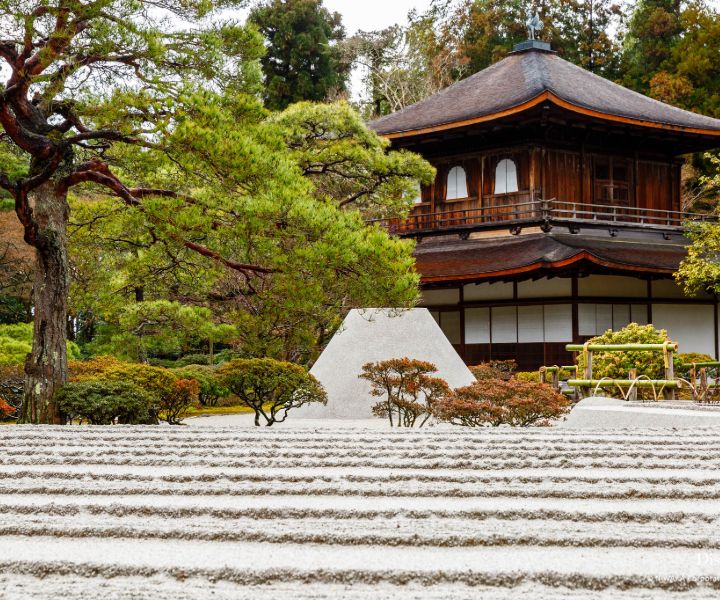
(539, 211)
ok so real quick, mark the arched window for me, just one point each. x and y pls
(456, 184)
(506, 180)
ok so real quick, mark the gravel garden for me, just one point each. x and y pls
(347, 510)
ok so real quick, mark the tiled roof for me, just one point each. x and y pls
(511, 256)
(533, 74)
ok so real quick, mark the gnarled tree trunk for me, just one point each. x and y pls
(46, 366)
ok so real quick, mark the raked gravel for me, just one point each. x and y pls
(358, 511)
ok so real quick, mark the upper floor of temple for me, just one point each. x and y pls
(534, 140)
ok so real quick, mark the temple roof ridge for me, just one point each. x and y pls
(528, 76)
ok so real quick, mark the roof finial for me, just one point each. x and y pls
(534, 24)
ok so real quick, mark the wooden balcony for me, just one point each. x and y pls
(538, 213)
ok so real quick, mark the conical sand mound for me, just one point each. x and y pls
(371, 335)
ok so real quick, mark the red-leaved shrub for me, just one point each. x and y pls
(177, 401)
(6, 410)
(408, 389)
(494, 369)
(12, 386)
(494, 402)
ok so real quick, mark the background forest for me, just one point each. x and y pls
(262, 246)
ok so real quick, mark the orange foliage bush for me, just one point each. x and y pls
(407, 388)
(91, 369)
(494, 402)
(494, 369)
(175, 403)
(12, 385)
(6, 410)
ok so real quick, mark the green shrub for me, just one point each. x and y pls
(193, 359)
(687, 359)
(270, 387)
(534, 376)
(171, 401)
(408, 388)
(617, 365)
(16, 344)
(154, 380)
(165, 363)
(495, 402)
(88, 369)
(12, 351)
(209, 391)
(225, 355)
(104, 402)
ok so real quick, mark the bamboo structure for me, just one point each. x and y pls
(668, 384)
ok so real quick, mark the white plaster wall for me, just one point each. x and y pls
(668, 289)
(488, 291)
(613, 286)
(558, 287)
(691, 326)
(477, 325)
(558, 323)
(504, 325)
(530, 324)
(440, 297)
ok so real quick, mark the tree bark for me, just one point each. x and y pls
(46, 366)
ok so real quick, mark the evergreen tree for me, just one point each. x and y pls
(303, 60)
(478, 33)
(288, 191)
(654, 28)
(84, 78)
(584, 33)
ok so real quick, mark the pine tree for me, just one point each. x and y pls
(303, 61)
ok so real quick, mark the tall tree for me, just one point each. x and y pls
(654, 27)
(289, 191)
(85, 77)
(690, 76)
(482, 32)
(672, 53)
(303, 61)
(585, 33)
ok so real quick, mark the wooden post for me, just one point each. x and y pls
(632, 375)
(702, 386)
(669, 370)
(481, 191)
(588, 368)
(588, 364)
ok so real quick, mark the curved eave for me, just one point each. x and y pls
(560, 102)
(550, 265)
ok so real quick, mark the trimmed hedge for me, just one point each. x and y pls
(270, 387)
(171, 398)
(210, 391)
(495, 402)
(105, 403)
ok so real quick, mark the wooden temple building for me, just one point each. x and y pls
(555, 214)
